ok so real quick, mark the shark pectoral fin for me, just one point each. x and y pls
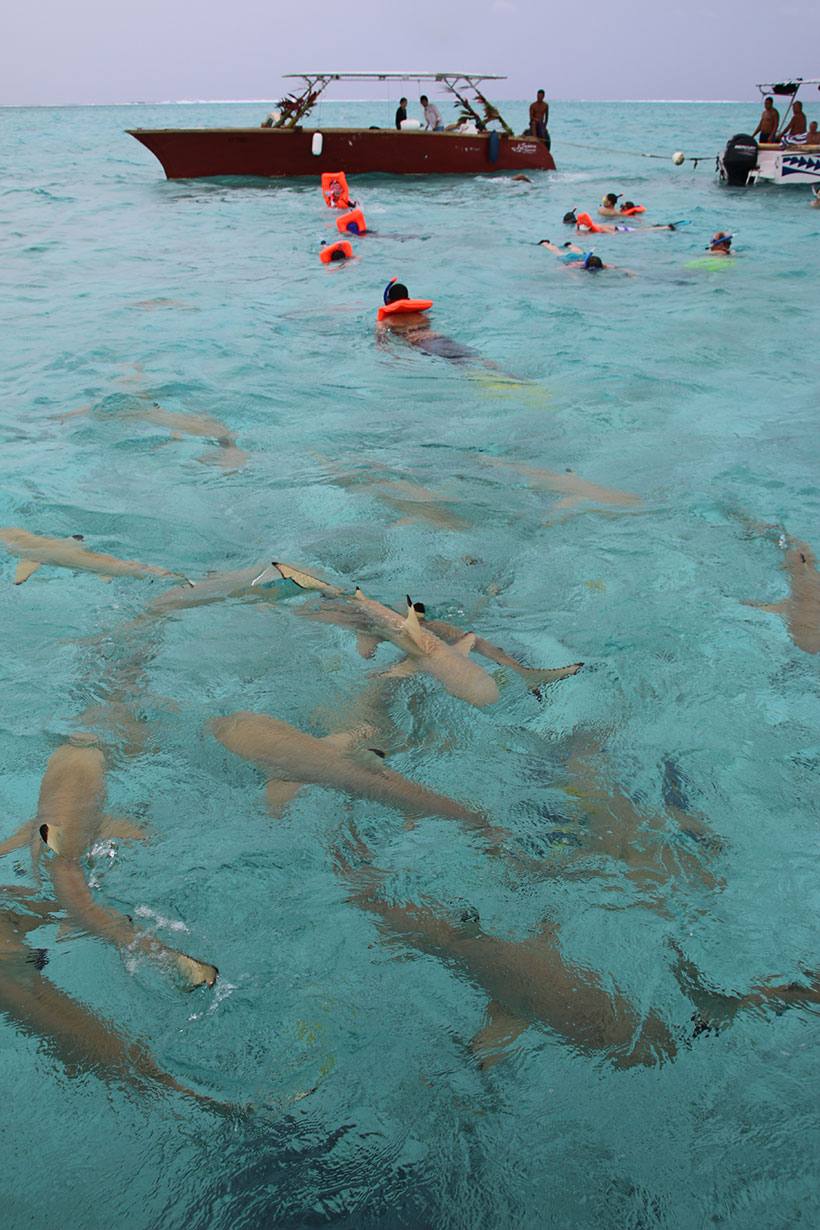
(24, 570)
(369, 758)
(115, 827)
(499, 1031)
(367, 644)
(777, 608)
(18, 839)
(279, 794)
(465, 644)
(401, 670)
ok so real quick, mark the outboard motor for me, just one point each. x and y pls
(739, 158)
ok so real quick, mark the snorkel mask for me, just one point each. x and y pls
(719, 242)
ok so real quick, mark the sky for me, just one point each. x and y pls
(99, 51)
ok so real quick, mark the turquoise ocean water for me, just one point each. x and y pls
(344, 1044)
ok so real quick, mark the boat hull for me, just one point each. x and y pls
(789, 166)
(778, 166)
(198, 153)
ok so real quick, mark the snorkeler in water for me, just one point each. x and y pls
(401, 314)
(721, 244)
(576, 258)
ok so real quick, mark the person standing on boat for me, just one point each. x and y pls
(795, 130)
(401, 112)
(539, 115)
(768, 123)
(432, 115)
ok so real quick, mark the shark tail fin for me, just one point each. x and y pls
(303, 579)
(536, 679)
(195, 973)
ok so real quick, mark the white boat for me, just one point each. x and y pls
(744, 161)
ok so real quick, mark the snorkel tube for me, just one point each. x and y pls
(719, 241)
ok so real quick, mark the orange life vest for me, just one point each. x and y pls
(326, 254)
(585, 220)
(404, 305)
(354, 221)
(343, 199)
(636, 209)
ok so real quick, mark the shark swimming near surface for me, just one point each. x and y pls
(374, 623)
(801, 610)
(293, 759)
(574, 489)
(35, 550)
(69, 822)
(528, 982)
(72, 1034)
(228, 454)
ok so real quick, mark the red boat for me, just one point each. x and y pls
(480, 142)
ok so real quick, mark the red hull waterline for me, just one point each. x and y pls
(198, 153)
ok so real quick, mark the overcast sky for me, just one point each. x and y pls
(101, 51)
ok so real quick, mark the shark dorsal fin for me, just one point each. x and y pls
(412, 625)
(465, 644)
(50, 833)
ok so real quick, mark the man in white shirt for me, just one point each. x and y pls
(432, 115)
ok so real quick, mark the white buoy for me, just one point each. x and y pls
(316, 144)
(678, 158)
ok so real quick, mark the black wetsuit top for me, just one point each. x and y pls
(401, 114)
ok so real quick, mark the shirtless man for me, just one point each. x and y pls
(795, 130)
(768, 122)
(539, 114)
(813, 136)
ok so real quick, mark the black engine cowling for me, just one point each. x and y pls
(739, 158)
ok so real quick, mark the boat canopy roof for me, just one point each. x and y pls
(789, 87)
(294, 108)
(396, 76)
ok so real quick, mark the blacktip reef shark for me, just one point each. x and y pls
(293, 759)
(35, 550)
(72, 1034)
(574, 489)
(70, 821)
(375, 623)
(245, 582)
(229, 456)
(527, 981)
(450, 664)
(801, 610)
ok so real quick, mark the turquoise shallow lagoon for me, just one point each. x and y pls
(368, 461)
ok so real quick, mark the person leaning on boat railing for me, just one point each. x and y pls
(432, 115)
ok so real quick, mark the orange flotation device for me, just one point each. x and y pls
(342, 246)
(585, 220)
(636, 209)
(404, 305)
(342, 199)
(353, 221)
